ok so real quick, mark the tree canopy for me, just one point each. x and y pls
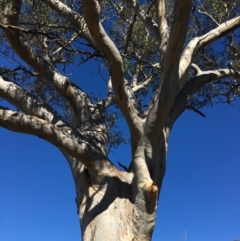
(51, 29)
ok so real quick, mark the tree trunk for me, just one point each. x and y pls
(117, 210)
(109, 218)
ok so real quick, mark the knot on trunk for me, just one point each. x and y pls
(149, 187)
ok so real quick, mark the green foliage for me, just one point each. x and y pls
(52, 37)
(115, 136)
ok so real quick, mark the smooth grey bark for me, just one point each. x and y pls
(112, 204)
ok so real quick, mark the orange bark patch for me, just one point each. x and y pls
(153, 188)
(150, 187)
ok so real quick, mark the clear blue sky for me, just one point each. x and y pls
(200, 194)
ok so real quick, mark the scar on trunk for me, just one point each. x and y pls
(150, 187)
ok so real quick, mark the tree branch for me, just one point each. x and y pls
(129, 34)
(197, 70)
(71, 39)
(208, 15)
(125, 97)
(178, 34)
(75, 146)
(190, 107)
(163, 25)
(146, 20)
(26, 53)
(193, 86)
(27, 103)
(162, 101)
(142, 85)
(75, 18)
(114, 60)
(199, 42)
(86, 112)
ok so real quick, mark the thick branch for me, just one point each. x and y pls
(27, 103)
(75, 146)
(162, 101)
(125, 97)
(75, 18)
(85, 110)
(178, 34)
(114, 60)
(199, 42)
(26, 53)
(156, 154)
(163, 25)
(32, 125)
(194, 85)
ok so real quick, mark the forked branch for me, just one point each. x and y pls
(78, 99)
(75, 146)
(22, 123)
(27, 103)
(194, 85)
(162, 101)
(199, 42)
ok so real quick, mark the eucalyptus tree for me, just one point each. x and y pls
(158, 58)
